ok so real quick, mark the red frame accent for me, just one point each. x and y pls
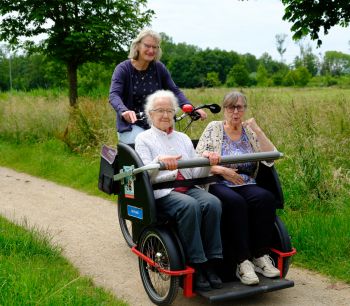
(281, 256)
(187, 273)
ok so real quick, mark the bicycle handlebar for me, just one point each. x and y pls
(234, 159)
(191, 111)
(204, 162)
(188, 110)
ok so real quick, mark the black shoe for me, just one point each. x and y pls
(200, 283)
(213, 278)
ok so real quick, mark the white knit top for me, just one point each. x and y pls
(153, 143)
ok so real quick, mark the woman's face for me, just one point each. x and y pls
(235, 113)
(162, 114)
(148, 49)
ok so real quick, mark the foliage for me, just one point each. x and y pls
(280, 40)
(278, 77)
(270, 65)
(212, 79)
(309, 17)
(304, 76)
(238, 76)
(336, 63)
(77, 31)
(30, 71)
(189, 65)
(297, 77)
(307, 59)
(262, 76)
(93, 76)
(250, 62)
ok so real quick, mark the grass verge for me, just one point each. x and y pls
(33, 272)
(53, 160)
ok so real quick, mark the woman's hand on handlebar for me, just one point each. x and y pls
(214, 158)
(202, 113)
(170, 161)
(129, 116)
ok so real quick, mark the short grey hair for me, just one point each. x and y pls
(151, 99)
(232, 97)
(134, 52)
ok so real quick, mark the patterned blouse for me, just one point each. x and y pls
(212, 140)
(241, 146)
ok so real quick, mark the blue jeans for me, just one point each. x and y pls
(129, 137)
(197, 214)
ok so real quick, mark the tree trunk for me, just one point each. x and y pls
(72, 69)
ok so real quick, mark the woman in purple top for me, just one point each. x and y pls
(135, 79)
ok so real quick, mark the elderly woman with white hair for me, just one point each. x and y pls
(196, 212)
(136, 78)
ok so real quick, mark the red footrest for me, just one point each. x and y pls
(187, 273)
(281, 255)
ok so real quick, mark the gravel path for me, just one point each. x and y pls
(87, 228)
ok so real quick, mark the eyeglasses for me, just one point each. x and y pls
(239, 108)
(147, 46)
(161, 111)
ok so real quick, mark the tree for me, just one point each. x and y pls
(304, 76)
(250, 61)
(307, 59)
(271, 65)
(238, 75)
(212, 80)
(298, 77)
(336, 63)
(262, 76)
(310, 16)
(280, 39)
(77, 31)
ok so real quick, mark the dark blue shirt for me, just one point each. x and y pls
(128, 85)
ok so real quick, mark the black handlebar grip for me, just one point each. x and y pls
(195, 116)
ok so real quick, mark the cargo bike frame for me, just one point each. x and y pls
(162, 265)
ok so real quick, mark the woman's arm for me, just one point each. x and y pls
(117, 88)
(228, 174)
(265, 144)
(205, 142)
(147, 157)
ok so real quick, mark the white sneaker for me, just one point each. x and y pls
(245, 272)
(265, 266)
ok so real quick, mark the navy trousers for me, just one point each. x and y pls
(248, 215)
(197, 214)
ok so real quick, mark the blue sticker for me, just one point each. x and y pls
(135, 212)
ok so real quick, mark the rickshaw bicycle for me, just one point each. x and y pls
(162, 263)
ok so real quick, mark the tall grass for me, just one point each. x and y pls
(310, 126)
(31, 118)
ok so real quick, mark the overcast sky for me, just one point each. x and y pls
(232, 25)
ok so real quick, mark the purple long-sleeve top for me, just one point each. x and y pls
(121, 90)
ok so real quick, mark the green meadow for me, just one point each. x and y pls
(41, 135)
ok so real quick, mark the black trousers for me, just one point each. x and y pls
(248, 216)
